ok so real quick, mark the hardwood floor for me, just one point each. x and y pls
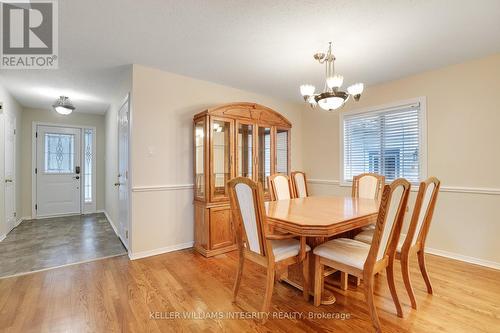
(52, 242)
(118, 295)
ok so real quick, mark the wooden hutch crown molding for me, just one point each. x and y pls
(248, 111)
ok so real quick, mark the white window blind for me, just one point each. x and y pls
(387, 142)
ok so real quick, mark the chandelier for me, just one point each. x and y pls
(332, 97)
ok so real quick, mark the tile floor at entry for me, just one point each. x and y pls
(45, 243)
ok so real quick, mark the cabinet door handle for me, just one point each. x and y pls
(9, 181)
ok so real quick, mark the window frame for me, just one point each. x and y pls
(422, 100)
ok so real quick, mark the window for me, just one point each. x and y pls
(59, 153)
(388, 141)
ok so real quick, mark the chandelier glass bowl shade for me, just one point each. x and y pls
(63, 105)
(332, 98)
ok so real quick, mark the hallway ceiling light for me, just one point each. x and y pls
(63, 105)
(332, 97)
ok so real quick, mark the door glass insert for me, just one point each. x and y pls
(264, 140)
(282, 151)
(199, 139)
(245, 150)
(59, 153)
(221, 157)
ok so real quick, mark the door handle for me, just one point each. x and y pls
(118, 184)
(77, 177)
(9, 181)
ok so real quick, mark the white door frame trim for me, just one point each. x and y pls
(35, 124)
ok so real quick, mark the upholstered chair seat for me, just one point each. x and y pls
(365, 236)
(345, 251)
(286, 248)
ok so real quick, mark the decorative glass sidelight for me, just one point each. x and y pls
(88, 164)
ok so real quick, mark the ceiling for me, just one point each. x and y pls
(260, 46)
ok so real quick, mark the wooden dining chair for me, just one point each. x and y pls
(413, 242)
(280, 187)
(368, 186)
(363, 260)
(273, 251)
(299, 184)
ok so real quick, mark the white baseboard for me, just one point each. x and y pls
(155, 252)
(112, 225)
(110, 221)
(461, 257)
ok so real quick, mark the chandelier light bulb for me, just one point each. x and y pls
(335, 81)
(307, 90)
(356, 89)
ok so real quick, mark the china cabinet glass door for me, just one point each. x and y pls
(199, 158)
(264, 158)
(282, 145)
(221, 132)
(244, 150)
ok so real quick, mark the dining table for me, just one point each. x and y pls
(319, 218)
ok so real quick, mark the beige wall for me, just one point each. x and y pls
(49, 116)
(11, 106)
(162, 112)
(463, 115)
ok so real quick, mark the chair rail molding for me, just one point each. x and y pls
(451, 189)
(156, 188)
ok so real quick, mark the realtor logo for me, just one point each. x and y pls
(29, 34)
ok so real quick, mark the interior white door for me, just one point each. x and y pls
(10, 171)
(58, 171)
(123, 173)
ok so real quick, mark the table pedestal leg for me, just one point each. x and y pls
(293, 275)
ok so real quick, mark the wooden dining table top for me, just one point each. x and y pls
(321, 216)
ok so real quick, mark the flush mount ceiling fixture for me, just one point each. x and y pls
(63, 105)
(332, 98)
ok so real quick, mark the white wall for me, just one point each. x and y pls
(162, 151)
(12, 107)
(76, 119)
(463, 139)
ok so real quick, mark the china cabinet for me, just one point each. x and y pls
(233, 140)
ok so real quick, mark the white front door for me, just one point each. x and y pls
(58, 175)
(10, 171)
(123, 179)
